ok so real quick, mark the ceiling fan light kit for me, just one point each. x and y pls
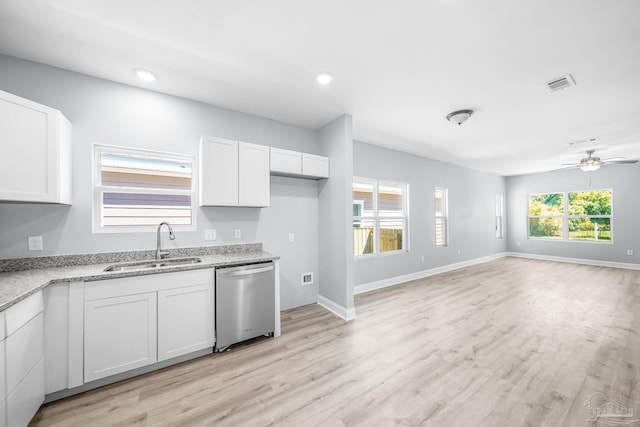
(459, 117)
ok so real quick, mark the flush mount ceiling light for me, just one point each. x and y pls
(324, 78)
(145, 75)
(460, 116)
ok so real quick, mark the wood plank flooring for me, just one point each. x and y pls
(513, 342)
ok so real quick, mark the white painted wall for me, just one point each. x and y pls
(335, 243)
(115, 114)
(471, 212)
(622, 179)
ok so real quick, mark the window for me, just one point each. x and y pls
(582, 216)
(135, 190)
(379, 216)
(442, 235)
(499, 216)
(590, 215)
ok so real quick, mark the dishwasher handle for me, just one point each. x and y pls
(240, 271)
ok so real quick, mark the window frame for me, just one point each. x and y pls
(98, 189)
(566, 217)
(376, 218)
(444, 216)
(499, 216)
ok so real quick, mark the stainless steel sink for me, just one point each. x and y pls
(151, 264)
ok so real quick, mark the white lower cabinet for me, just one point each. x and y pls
(185, 320)
(24, 360)
(120, 334)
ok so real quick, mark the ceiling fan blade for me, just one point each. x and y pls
(619, 162)
(569, 164)
(573, 166)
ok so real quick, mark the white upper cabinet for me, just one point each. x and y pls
(35, 141)
(233, 173)
(253, 171)
(218, 172)
(286, 162)
(297, 164)
(315, 166)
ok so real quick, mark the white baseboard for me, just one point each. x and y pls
(337, 309)
(596, 262)
(372, 286)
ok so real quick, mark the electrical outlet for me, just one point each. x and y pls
(292, 237)
(459, 251)
(307, 279)
(422, 258)
(629, 251)
(517, 243)
(209, 234)
(35, 243)
(238, 233)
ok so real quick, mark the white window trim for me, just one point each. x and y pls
(444, 216)
(499, 216)
(98, 189)
(565, 218)
(376, 218)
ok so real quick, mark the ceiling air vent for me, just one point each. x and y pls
(582, 141)
(560, 83)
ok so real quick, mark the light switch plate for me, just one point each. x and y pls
(292, 237)
(238, 234)
(209, 234)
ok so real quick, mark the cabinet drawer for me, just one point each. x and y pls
(22, 312)
(24, 351)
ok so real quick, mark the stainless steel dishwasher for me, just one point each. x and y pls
(245, 303)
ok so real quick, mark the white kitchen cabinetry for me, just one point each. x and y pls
(233, 173)
(315, 166)
(185, 320)
(24, 360)
(3, 376)
(35, 165)
(296, 164)
(253, 171)
(132, 322)
(120, 334)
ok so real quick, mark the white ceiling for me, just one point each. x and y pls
(400, 67)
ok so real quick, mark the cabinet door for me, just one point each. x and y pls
(120, 334)
(25, 400)
(35, 165)
(185, 320)
(253, 182)
(218, 172)
(316, 166)
(285, 161)
(3, 419)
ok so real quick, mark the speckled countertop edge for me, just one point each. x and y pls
(16, 286)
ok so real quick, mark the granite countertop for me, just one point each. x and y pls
(17, 285)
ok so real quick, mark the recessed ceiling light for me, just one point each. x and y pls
(324, 78)
(145, 75)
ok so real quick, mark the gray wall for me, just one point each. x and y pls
(471, 212)
(115, 114)
(622, 179)
(335, 201)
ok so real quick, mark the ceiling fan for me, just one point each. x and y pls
(591, 163)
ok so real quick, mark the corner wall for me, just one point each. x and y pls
(335, 199)
(471, 213)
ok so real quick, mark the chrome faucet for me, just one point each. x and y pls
(159, 253)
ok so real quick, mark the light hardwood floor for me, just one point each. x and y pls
(507, 343)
